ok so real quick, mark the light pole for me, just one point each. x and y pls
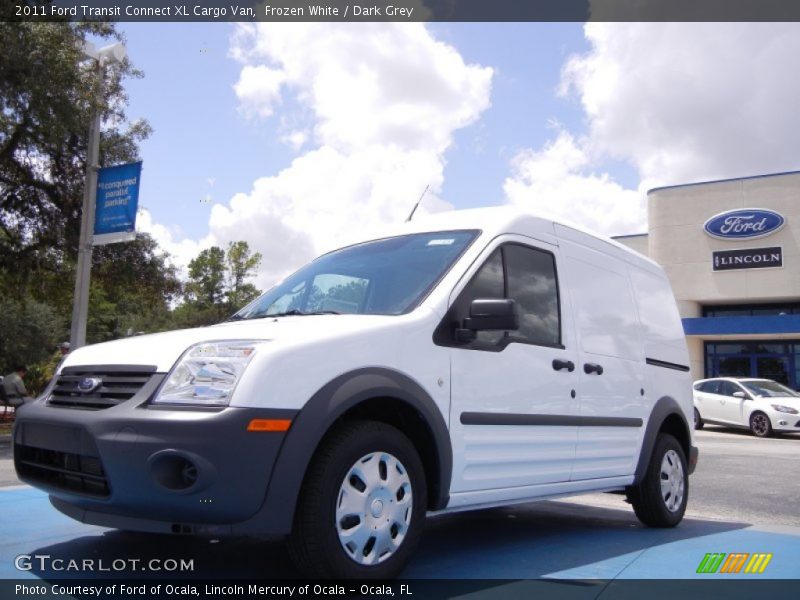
(107, 55)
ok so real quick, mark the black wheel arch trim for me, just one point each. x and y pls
(316, 418)
(663, 409)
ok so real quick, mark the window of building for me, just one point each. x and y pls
(752, 310)
(777, 360)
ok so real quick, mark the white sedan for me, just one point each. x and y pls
(761, 405)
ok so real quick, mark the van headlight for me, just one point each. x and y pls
(207, 373)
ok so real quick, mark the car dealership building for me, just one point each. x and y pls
(732, 252)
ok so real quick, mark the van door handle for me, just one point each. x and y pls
(590, 368)
(560, 365)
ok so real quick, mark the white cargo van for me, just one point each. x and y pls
(474, 359)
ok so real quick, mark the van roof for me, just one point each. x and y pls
(497, 220)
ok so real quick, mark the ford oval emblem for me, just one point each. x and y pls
(744, 224)
(89, 384)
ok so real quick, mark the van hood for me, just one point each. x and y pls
(162, 350)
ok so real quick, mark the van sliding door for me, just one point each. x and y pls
(611, 401)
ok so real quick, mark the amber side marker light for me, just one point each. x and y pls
(269, 425)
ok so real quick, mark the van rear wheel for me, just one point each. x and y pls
(660, 498)
(362, 506)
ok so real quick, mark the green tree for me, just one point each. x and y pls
(242, 264)
(207, 277)
(29, 332)
(193, 314)
(218, 285)
(47, 97)
(204, 293)
(46, 102)
(138, 284)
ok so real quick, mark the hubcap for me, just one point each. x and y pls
(760, 424)
(672, 481)
(373, 508)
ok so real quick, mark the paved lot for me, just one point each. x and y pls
(744, 498)
(547, 539)
(7, 475)
(739, 478)
(743, 478)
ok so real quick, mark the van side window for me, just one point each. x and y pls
(488, 282)
(532, 285)
(527, 276)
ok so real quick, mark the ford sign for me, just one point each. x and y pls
(744, 224)
(89, 384)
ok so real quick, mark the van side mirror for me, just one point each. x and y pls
(488, 314)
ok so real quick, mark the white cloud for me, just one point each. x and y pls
(381, 103)
(374, 108)
(180, 251)
(295, 139)
(558, 181)
(386, 84)
(680, 102)
(326, 199)
(688, 101)
(259, 89)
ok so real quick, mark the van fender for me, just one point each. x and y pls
(663, 408)
(316, 418)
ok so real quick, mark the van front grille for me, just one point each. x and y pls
(96, 389)
(63, 470)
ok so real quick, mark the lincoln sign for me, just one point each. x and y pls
(751, 258)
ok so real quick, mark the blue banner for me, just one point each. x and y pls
(116, 204)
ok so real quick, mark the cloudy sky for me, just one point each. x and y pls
(301, 137)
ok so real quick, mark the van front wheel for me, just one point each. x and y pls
(362, 506)
(660, 498)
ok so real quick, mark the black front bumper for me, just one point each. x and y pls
(138, 466)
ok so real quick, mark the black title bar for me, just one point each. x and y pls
(279, 11)
(404, 589)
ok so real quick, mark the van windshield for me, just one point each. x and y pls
(382, 277)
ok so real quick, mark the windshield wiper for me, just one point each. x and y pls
(296, 312)
(289, 313)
